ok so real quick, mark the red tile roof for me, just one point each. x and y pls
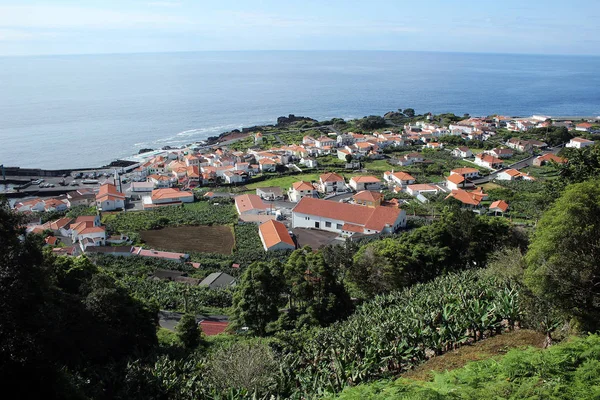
(331, 177)
(274, 232)
(456, 179)
(211, 328)
(499, 204)
(464, 171)
(169, 194)
(109, 191)
(247, 202)
(93, 229)
(403, 176)
(552, 157)
(420, 187)
(371, 218)
(489, 159)
(352, 228)
(365, 179)
(302, 185)
(367, 195)
(465, 197)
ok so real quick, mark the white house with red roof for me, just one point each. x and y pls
(359, 183)
(346, 219)
(467, 172)
(488, 161)
(583, 127)
(456, 181)
(301, 189)
(167, 197)
(331, 182)
(55, 205)
(548, 158)
(399, 178)
(512, 174)
(88, 228)
(579, 143)
(325, 141)
(275, 236)
(251, 204)
(109, 199)
(417, 189)
(501, 153)
(267, 165)
(499, 206)
(161, 181)
(30, 205)
(462, 152)
(410, 159)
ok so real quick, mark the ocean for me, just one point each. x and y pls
(88, 110)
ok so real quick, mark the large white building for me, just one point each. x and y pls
(579, 143)
(346, 219)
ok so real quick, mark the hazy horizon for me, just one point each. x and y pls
(34, 27)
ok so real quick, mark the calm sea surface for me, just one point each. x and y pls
(84, 111)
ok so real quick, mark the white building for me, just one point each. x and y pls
(109, 198)
(301, 189)
(275, 236)
(331, 182)
(579, 143)
(167, 197)
(250, 204)
(346, 219)
(398, 178)
(359, 183)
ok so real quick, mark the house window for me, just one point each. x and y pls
(339, 226)
(307, 218)
(327, 224)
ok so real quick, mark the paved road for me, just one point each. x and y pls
(169, 319)
(518, 165)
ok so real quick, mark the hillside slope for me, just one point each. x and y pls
(570, 370)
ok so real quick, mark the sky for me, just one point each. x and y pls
(30, 27)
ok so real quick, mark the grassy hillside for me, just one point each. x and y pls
(567, 371)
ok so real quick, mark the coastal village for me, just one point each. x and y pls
(314, 187)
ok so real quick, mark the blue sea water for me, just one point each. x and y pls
(87, 110)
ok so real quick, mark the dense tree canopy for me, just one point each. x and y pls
(459, 240)
(61, 314)
(564, 256)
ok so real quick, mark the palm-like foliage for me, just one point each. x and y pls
(394, 332)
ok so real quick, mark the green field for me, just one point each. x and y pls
(284, 182)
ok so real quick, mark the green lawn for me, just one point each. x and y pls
(378, 165)
(284, 182)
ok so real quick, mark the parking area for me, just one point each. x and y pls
(315, 238)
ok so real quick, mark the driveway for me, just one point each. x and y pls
(315, 238)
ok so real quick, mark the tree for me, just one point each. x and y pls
(409, 112)
(348, 158)
(371, 122)
(563, 261)
(62, 321)
(257, 297)
(316, 295)
(188, 331)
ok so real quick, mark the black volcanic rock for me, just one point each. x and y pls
(283, 121)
